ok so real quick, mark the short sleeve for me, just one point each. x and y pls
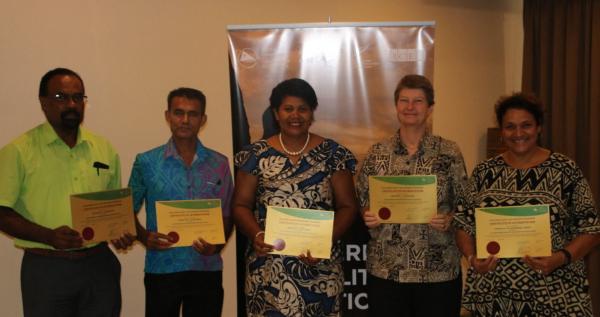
(458, 175)
(115, 182)
(343, 160)
(11, 175)
(137, 184)
(582, 206)
(362, 184)
(226, 193)
(464, 218)
(247, 159)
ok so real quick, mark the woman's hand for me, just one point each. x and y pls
(441, 222)
(260, 247)
(545, 265)
(483, 266)
(371, 220)
(308, 259)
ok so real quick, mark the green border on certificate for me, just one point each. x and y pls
(403, 198)
(184, 221)
(104, 215)
(294, 231)
(513, 231)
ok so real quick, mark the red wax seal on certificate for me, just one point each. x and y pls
(493, 247)
(278, 244)
(173, 236)
(87, 233)
(384, 213)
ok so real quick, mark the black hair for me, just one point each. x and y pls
(189, 93)
(56, 72)
(294, 87)
(522, 101)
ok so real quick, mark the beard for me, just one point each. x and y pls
(71, 119)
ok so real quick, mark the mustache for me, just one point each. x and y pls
(67, 113)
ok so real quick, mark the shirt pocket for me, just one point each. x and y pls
(213, 186)
(98, 175)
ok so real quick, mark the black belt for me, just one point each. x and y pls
(69, 254)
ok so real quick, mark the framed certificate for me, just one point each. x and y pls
(187, 220)
(102, 216)
(294, 231)
(403, 199)
(513, 232)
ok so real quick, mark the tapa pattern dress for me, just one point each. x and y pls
(514, 289)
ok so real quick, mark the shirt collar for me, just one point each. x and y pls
(50, 136)
(427, 142)
(199, 157)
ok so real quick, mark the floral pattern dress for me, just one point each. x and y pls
(283, 285)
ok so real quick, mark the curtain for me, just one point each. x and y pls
(561, 65)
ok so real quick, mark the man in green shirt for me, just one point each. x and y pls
(39, 171)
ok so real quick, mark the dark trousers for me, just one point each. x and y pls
(389, 298)
(63, 287)
(200, 294)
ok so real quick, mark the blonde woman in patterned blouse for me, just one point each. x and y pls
(527, 174)
(414, 269)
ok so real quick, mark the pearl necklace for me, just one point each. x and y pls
(292, 153)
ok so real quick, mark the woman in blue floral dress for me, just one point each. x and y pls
(298, 169)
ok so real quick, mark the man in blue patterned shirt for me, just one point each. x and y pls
(181, 278)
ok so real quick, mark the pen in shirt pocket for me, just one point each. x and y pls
(216, 183)
(99, 165)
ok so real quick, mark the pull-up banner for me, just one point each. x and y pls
(354, 69)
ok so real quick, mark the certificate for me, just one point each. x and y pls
(187, 220)
(102, 216)
(294, 231)
(403, 199)
(513, 232)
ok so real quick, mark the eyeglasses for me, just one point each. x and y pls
(181, 113)
(77, 98)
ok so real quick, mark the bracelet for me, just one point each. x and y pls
(257, 234)
(568, 256)
(469, 258)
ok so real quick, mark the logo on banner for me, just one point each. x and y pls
(406, 55)
(248, 58)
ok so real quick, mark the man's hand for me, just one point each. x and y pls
(124, 242)
(157, 241)
(64, 237)
(205, 248)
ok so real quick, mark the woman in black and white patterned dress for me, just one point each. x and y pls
(527, 174)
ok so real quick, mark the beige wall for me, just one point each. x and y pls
(131, 53)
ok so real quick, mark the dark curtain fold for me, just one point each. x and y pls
(561, 65)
